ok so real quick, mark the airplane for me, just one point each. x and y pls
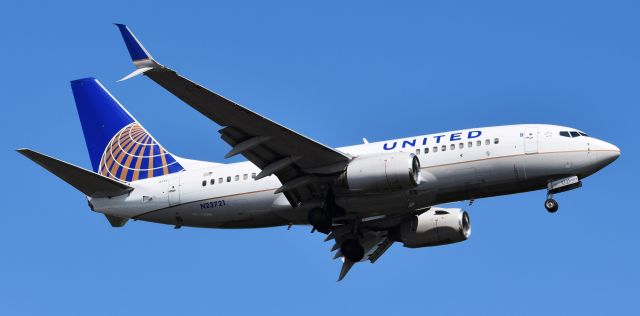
(364, 198)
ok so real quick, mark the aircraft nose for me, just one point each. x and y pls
(606, 154)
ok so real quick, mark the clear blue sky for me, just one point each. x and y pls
(336, 72)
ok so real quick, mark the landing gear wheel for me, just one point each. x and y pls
(551, 205)
(352, 250)
(320, 219)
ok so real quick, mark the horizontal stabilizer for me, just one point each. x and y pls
(87, 182)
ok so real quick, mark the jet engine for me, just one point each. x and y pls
(383, 172)
(438, 226)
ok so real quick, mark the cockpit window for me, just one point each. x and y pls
(573, 134)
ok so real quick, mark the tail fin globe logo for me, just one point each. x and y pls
(119, 147)
(132, 154)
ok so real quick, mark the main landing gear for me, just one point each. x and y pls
(557, 186)
(320, 219)
(352, 250)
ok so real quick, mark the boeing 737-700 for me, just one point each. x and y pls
(364, 197)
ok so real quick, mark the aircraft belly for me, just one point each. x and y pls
(376, 204)
(474, 174)
(474, 179)
(440, 184)
(133, 204)
(246, 211)
(449, 183)
(556, 164)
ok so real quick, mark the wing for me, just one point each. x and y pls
(301, 164)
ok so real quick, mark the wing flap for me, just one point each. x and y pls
(87, 182)
(375, 244)
(346, 267)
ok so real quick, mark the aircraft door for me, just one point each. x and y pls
(173, 191)
(531, 140)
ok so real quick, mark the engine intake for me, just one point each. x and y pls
(435, 227)
(383, 172)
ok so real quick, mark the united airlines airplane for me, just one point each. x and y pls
(363, 197)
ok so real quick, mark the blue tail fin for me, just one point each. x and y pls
(119, 147)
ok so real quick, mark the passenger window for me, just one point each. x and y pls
(565, 134)
(470, 144)
(220, 180)
(426, 151)
(444, 147)
(487, 142)
(417, 151)
(204, 182)
(479, 143)
(575, 134)
(453, 146)
(237, 177)
(213, 181)
(253, 175)
(496, 141)
(245, 177)
(461, 145)
(435, 149)
(229, 179)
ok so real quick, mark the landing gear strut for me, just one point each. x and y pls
(352, 250)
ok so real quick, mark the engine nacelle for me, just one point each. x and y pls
(383, 172)
(436, 227)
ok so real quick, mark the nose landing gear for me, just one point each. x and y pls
(557, 186)
(550, 204)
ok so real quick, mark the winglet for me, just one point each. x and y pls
(139, 55)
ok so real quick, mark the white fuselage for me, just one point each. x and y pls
(458, 165)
